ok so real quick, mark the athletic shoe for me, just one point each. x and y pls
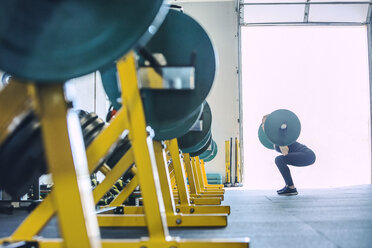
(280, 190)
(288, 191)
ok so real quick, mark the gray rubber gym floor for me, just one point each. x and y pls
(339, 217)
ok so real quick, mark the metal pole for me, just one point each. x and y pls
(240, 19)
(369, 35)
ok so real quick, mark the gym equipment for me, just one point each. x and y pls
(228, 161)
(214, 178)
(238, 172)
(282, 127)
(203, 149)
(193, 141)
(22, 153)
(209, 155)
(263, 139)
(68, 177)
(180, 46)
(5, 79)
(41, 40)
(182, 42)
(22, 157)
(185, 213)
(209, 151)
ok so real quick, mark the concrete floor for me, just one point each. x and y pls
(339, 217)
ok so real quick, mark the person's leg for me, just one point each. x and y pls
(280, 162)
(300, 159)
(304, 158)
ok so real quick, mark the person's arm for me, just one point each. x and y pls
(284, 150)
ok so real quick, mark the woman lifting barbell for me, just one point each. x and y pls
(286, 130)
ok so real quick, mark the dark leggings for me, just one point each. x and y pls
(302, 158)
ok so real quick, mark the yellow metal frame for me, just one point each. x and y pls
(78, 223)
(185, 216)
(205, 180)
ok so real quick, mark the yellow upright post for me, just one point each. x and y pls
(65, 154)
(190, 173)
(238, 171)
(164, 179)
(227, 163)
(143, 150)
(179, 172)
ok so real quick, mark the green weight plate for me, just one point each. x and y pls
(263, 139)
(209, 151)
(179, 127)
(282, 127)
(212, 156)
(199, 145)
(203, 149)
(164, 129)
(191, 142)
(179, 39)
(50, 41)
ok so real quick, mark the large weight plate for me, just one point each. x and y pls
(195, 140)
(179, 127)
(209, 151)
(164, 130)
(178, 38)
(263, 139)
(282, 127)
(213, 154)
(203, 149)
(48, 41)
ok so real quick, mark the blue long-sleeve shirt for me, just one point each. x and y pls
(295, 147)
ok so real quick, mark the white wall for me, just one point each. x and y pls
(321, 73)
(90, 95)
(219, 19)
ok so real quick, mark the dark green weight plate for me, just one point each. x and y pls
(209, 151)
(198, 146)
(179, 127)
(178, 38)
(263, 139)
(213, 155)
(165, 129)
(51, 41)
(195, 140)
(282, 127)
(203, 149)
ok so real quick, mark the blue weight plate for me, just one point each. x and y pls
(263, 139)
(282, 127)
(53, 41)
